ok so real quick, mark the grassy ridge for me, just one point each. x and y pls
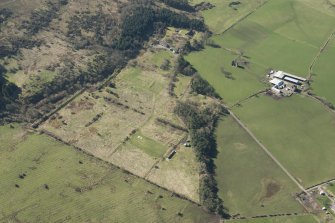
(79, 188)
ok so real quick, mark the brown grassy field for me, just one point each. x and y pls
(120, 125)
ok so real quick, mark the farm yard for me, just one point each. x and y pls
(61, 183)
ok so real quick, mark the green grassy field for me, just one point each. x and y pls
(248, 178)
(79, 188)
(245, 82)
(222, 16)
(148, 145)
(284, 35)
(291, 219)
(289, 43)
(298, 131)
(324, 76)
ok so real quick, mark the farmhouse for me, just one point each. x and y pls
(284, 84)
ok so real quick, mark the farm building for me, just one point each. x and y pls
(277, 82)
(288, 77)
(284, 83)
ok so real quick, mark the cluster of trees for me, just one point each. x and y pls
(100, 24)
(140, 21)
(71, 78)
(8, 92)
(41, 18)
(5, 14)
(11, 46)
(201, 86)
(184, 67)
(179, 4)
(114, 45)
(201, 123)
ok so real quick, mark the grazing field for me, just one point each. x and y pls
(42, 180)
(244, 82)
(289, 42)
(298, 131)
(324, 76)
(288, 219)
(250, 183)
(223, 15)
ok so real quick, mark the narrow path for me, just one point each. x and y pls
(322, 48)
(268, 152)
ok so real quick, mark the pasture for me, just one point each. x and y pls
(250, 183)
(244, 82)
(284, 219)
(43, 180)
(323, 74)
(282, 34)
(298, 131)
(223, 15)
(288, 42)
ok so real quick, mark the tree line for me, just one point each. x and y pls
(8, 94)
(201, 123)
